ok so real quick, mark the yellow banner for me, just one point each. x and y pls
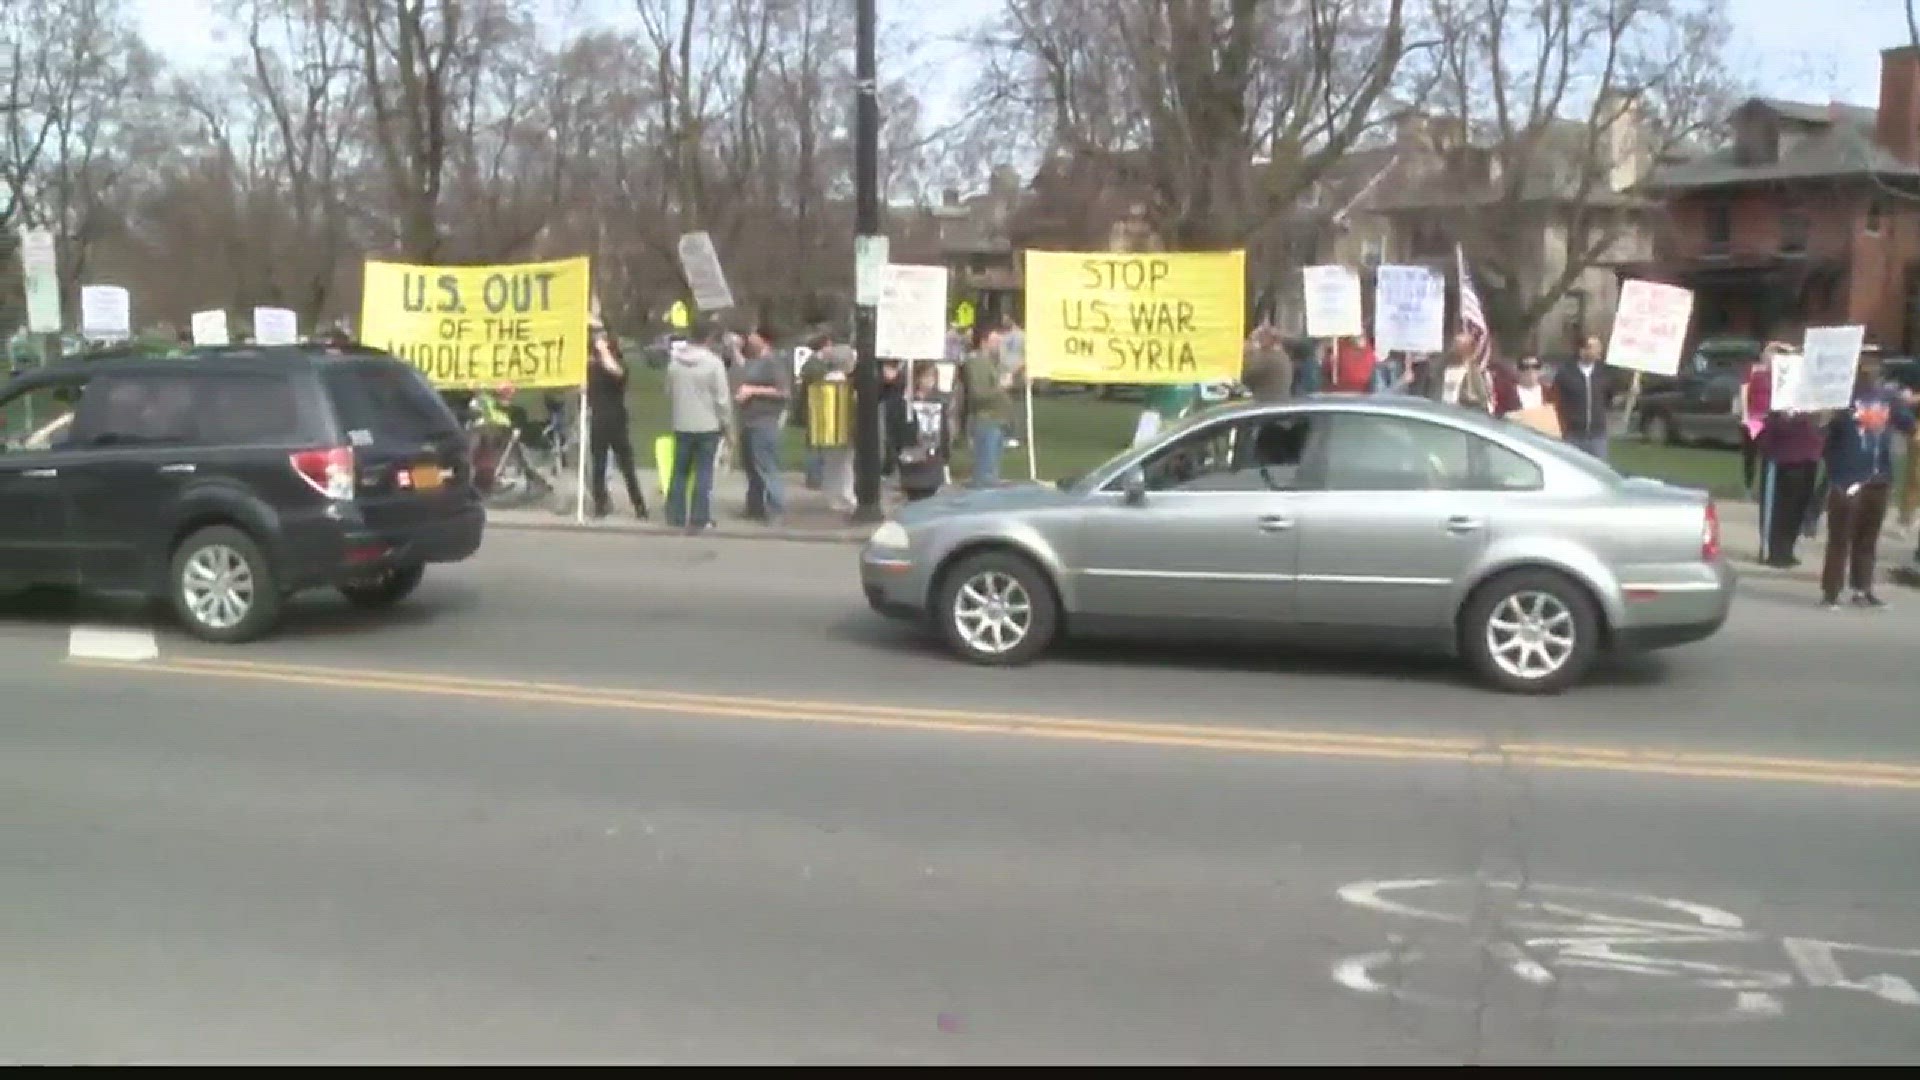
(468, 327)
(1119, 317)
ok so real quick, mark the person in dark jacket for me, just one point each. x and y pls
(1267, 370)
(1582, 390)
(1859, 458)
(607, 422)
(1790, 447)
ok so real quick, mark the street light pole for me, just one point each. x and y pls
(866, 179)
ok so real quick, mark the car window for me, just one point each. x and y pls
(40, 419)
(387, 399)
(137, 410)
(245, 409)
(1262, 454)
(1508, 471)
(1391, 453)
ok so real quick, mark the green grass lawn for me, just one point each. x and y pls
(1079, 431)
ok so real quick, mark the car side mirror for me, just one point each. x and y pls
(1133, 486)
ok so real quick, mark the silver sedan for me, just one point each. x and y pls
(1383, 522)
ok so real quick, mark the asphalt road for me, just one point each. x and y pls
(599, 798)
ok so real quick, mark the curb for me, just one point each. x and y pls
(718, 532)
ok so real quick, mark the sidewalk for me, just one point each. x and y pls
(807, 516)
(1740, 539)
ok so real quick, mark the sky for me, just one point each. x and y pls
(1812, 50)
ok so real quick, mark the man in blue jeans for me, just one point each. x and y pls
(763, 387)
(700, 401)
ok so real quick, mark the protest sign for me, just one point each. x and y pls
(468, 327)
(40, 266)
(1784, 385)
(1103, 317)
(1409, 310)
(701, 264)
(1650, 327)
(210, 327)
(275, 326)
(106, 313)
(1333, 302)
(1828, 366)
(911, 322)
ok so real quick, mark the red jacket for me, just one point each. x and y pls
(1506, 391)
(1350, 368)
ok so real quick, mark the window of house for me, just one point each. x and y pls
(1793, 231)
(1875, 212)
(1719, 225)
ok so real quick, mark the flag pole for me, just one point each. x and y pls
(580, 462)
(1033, 459)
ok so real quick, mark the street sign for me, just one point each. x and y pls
(40, 267)
(870, 254)
(701, 264)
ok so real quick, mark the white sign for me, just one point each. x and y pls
(1828, 365)
(275, 326)
(1650, 327)
(701, 264)
(870, 255)
(912, 321)
(210, 327)
(1785, 372)
(41, 271)
(106, 313)
(801, 354)
(1333, 302)
(1409, 310)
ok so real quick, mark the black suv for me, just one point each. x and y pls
(226, 480)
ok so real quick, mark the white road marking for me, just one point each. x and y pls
(112, 643)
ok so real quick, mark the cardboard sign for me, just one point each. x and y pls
(1110, 317)
(1544, 419)
(911, 322)
(275, 326)
(106, 313)
(1333, 302)
(1650, 327)
(210, 327)
(478, 327)
(1409, 310)
(1829, 364)
(701, 264)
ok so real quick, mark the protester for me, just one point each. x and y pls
(923, 460)
(607, 423)
(1789, 446)
(1352, 365)
(1458, 379)
(1394, 374)
(763, 388)
(987, 406)
(1267, 370)
(1520, 389)
(1309, 373)
(1756, 391)
(1859, 459)
(699, 400)
(1582, 392)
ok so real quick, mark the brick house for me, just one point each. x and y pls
(1810, 217)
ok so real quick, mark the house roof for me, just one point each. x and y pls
(1838, 141)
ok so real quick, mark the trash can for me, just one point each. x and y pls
(830, 415)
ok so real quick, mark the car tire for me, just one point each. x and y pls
(1530, 632)
(387, 588)
(1658, 429)
(221, 561)
(980, 606)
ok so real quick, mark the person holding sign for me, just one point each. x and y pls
(1859, 457)
(1459, 380)
(1789, 444)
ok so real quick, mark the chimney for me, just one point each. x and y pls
(1897, 126)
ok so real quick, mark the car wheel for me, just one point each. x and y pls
(221, 587)
(997, 608)
(1658, 429)
(1531, 632)
(386, 588)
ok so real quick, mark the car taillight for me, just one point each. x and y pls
(1710, 534)
(329, 472)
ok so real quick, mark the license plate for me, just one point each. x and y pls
(426, 477)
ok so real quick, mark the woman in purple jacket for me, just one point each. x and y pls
(1790, 445)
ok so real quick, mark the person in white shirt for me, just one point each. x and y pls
(1522, 390)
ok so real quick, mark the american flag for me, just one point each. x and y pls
(1473, 318)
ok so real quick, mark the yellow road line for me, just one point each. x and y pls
(1698, 765)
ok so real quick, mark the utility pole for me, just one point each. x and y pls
(866, 179)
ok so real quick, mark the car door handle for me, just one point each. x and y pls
(184, 467)
(40, 474)
(1274, 523)
(1460, 523)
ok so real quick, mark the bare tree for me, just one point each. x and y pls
(1190, 92)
